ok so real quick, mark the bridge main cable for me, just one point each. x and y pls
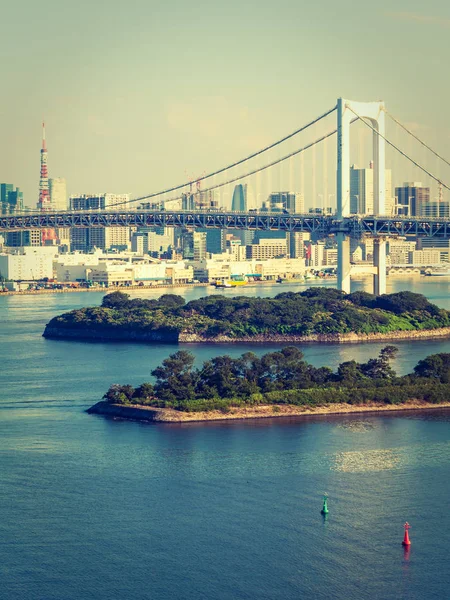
(237, 163)
(414, 162)
(417, 138)
(266, 166)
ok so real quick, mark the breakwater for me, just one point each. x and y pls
(167, 415)
(173, 337)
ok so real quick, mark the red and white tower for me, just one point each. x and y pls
(44, 193)
(44, 202)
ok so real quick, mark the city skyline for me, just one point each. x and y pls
(146, 121)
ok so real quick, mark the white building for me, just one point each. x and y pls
(58, 193)
(212, 269)
(26, 266)
(424, 257)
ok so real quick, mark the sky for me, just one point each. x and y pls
(141, 95)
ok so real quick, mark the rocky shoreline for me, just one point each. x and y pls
(116, 334)
(166, 415)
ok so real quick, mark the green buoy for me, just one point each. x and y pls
(324, 510)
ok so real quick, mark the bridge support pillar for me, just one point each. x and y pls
(343, 270)
(379, 261)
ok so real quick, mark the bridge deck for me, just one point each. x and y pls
(355, 226)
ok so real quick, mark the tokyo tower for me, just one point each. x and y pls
(44, 202)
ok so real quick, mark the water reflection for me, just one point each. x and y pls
(366, 461)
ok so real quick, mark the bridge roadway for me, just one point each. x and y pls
(354, 226)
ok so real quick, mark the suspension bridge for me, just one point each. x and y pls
(157, 208)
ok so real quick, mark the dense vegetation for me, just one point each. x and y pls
(284, 377)
(313, 311)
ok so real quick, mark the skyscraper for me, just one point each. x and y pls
(288, 201)
(361, 191)
(11, 200)
(86, 238)
(412, 199)
(58, 193)
(239, 201)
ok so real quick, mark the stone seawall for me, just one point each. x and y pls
(165, 337)
(332, 338)
(134, 413)
(167, 415)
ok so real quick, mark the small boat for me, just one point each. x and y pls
(223, 285)
(439, 272)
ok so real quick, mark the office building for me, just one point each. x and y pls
(27, 264)
(58, 193)
(239, 200)
(436, 210)
(11, 199)
(286, 201)
(297, 241)
(398, 250)
(199, 245)
(412, 198)
(86, 238)
(361, 191)
(267, 249)
(215, 240)
(428, 257)
(30, 237)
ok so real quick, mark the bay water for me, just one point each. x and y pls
(104, 509)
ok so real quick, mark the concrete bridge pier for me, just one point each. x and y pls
(379, 262)
(343, 267)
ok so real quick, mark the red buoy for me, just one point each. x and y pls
(406, 540)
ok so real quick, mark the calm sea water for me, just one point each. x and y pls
(103, 509)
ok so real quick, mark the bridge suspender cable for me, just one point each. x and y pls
(235, 164)
(416, 137)
(267, 166)
(400, 151)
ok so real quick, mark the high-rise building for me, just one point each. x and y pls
(286, 201)
(297, 241)
(199, 245)
(361, 191)
(239, 201)
(215, 240)
(85, 239)
(243, 200)
(30, 237)
(436, 209)
(412, 199)
(11, 200)
(58, 193)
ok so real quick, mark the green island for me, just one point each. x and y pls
(315, 315)
(276, 384)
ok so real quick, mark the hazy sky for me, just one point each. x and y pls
(136, 93)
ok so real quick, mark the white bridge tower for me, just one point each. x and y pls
(346, 113)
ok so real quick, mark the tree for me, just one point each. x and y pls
(435, 366)
(404, 302)
(119, 394)
(380, 368)
(144, 392)
(219, 376)
(115, 300)
(350, 373)
(170, 301)
(175, 377)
